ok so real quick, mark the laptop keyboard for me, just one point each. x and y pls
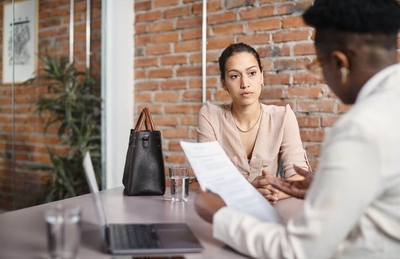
(135, 236)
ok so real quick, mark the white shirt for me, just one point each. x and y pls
(352, 209)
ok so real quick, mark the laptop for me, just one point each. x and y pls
(139, 239)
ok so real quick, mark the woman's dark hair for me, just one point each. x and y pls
(234, 49)
(358, 16)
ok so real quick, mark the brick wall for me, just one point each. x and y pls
(168, 64)
(30, 143)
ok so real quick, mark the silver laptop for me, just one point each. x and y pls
(140, 239)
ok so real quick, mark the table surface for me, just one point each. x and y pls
(23, 233)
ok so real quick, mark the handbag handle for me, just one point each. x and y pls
(145, 117)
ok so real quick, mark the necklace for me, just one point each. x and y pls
(245, 131)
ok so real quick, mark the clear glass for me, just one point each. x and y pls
(63, 227)
(179, 177)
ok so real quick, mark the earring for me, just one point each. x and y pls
(344, 72)
(262, 84)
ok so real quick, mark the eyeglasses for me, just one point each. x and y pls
(315, 67)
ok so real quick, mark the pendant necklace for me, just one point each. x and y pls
(245, 131)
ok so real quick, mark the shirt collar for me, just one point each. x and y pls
(374, 81)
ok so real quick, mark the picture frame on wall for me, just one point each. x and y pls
(23, 25)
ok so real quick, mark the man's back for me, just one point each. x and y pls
(362, 157)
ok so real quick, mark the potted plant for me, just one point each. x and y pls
(73, 105)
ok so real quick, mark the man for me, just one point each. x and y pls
(352, 206)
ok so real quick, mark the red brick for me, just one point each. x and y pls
(313, 150)
(228, 29)
(293, 21)
(256, 13)
(272, 93)
(173, 84)
(165, 121)
(189, 120)
(148, 16)
(304, 49)
(178, 109)
(308, 121)
(256, 39)
(187, 46)
(219, 43)
(289, 64)
(305, 78)
(192, 34)
(143, 97)
(189, 22)
(264, 25)
(164, 3)
(316, 106)
(192, 96)
(312, 135)
(176, 159)
(161, 26)
(167, 97)
(291, 36)
(276, 79)
(329, 121)
(188, 71)
(146, 62)
(303, 92)
(222, 95)
(221, 18)
(158, 49)
(211, 7)
(160, 73)
(166, 37)
(173, 60)
(177, 12)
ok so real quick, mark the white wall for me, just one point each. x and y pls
(117, 86)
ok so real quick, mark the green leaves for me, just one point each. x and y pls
(73, 105)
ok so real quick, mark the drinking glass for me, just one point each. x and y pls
(63, 225)
(179, 177)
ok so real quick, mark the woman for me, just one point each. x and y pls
(259, 139)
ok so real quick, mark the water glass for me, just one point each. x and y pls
(63, 225)
(179, 177)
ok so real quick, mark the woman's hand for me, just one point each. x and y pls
(263, 184)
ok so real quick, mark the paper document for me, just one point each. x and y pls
(216, 172)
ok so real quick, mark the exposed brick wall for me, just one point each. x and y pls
(168, 64)
(30, 143)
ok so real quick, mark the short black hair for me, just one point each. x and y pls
(358, 16)
(234, 49)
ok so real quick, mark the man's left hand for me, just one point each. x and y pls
(207, 204)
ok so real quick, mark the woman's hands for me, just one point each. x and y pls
(263, 184)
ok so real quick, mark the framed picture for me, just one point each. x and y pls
(23, 25)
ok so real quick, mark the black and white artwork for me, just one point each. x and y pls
(19, 41)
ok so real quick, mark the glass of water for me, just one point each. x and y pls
(179, 177)
(63, 225)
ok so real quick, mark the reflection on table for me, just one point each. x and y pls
(24, 234)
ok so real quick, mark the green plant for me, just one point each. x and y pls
(72, 104)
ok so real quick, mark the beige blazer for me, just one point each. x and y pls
(278, 140)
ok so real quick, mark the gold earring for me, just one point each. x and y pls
(344, 72)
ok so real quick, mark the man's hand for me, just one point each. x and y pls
(296, 189)
(207, 204)
(263, 184)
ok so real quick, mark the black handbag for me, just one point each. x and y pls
(144, 163)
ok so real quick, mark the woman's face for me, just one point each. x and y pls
(243, 78)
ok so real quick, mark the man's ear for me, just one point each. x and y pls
(341, 60)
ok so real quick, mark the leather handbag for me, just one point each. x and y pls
(144, 163)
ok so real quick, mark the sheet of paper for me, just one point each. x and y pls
(216, 172)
